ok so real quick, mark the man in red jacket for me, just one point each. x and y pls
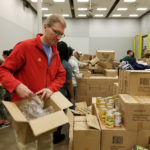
(34, 66)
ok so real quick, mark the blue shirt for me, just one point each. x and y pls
(48, 52)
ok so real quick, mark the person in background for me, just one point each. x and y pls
(132, 64)
(130, 57)
(75, 72)
(80, 64)
(6, 53)
(3, 113)
(67, 89)
(76, 55)
(34, 67)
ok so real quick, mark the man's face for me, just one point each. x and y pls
(54, 33)
(131, 54)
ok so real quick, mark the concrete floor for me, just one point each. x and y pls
(8, 142)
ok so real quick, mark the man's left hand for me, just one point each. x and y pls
(46, 93)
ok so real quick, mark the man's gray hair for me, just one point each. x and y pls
(51, 20)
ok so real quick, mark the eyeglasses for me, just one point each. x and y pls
(62, 35)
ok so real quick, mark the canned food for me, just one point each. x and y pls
(103, 114)
(117, 120)
(109, 120)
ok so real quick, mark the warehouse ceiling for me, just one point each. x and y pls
(94, 8)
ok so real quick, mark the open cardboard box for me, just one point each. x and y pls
(87, 133)
(28, 131)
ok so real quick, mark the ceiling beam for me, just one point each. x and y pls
(144, 14)
(112, 8)
(27, 4)
(72, 8)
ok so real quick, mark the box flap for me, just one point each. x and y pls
(92, 122)
(14, 111)
(81, 104)
(60, 100)
(48, 122)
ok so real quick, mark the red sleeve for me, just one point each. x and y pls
(59, 80)
(11, 64)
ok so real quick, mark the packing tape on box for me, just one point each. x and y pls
(139, 101)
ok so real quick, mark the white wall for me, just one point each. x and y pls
(16, 23)
(145, 24)
(90, 35)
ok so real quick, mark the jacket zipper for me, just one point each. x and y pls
(48, 67)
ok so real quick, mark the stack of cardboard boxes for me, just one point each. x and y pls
(103, 60)
(134, 82)
(94, 86)
(135, 129)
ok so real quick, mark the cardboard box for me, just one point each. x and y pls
(105, 55)
(116, 89)
(114, 138)
(86, 133)
(85, 57)
(105, 65)
(110, 72)
(28, 131)
(94, 86)
(135, 82)
(94, 61)
(117, 138)
(71, 122)
(135, 112)
(86, 73)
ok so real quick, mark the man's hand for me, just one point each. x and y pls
(23, 91)
(46, 93)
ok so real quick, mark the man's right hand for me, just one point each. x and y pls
(23, 91)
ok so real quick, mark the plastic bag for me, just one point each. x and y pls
(34, 108)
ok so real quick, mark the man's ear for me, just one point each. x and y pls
(45, 26)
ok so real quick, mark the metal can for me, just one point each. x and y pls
(109, 106)
(117, 120)
(109, 120)
(103, 114)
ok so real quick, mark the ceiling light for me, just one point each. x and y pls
(102, 9)
(47, 15)
(65, 15)
(81, 15)
(122, 9)
(133, 15)
(141, 9)
(82, 1)
(82, 9)
(34, 1)
(98, 15)
(116, 15)
(130, 1)
(59, 1)
(44, 8)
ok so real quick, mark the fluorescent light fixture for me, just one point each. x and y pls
(35, 1)
(102, 9)
(65, 15)
(44, 8)
(122, 9)
(141, 9)
(133, 15)
(82, 9)
(116, 15)
(98, 15)
(82, 1)
(81, 15)
(129, 1)
(47, 15)
(59, 1)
